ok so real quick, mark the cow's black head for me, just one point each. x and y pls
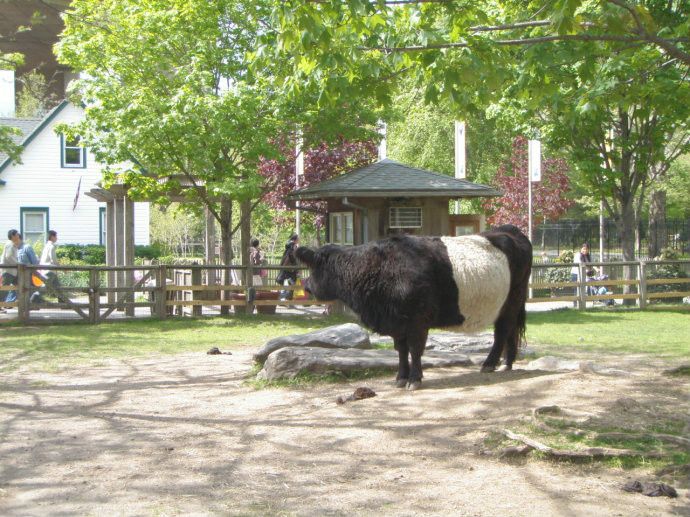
(323, 278)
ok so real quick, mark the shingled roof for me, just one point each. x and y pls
(28, 129)
(388, 178)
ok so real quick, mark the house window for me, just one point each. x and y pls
(72, 154)
(341, 228)
(405, 217)
(101, 226)
(34, 224)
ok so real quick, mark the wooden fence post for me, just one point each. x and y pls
(581, 303)
(197, 295)
(94, 296)
(642, 288)
(250, 292)
(162, 291)
(23, 292)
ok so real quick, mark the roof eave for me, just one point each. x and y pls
(311, 196)
(48, 118)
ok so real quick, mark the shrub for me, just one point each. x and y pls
(94, 254)
(89, 254)
(559, 274)
(666, 271)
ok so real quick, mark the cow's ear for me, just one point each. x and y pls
(306, 255)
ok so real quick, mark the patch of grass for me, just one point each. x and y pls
(572, 436)
(661, 332)
(304, 380)
(52, 347)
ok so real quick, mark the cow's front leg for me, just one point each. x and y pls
(416, 342)
(401, 379)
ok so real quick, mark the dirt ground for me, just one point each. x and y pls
(185, 435)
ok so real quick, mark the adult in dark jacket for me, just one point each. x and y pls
(288, 277)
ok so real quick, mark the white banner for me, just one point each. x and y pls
(460, 150)
(534, 160)
(299, 160)
(383, 151)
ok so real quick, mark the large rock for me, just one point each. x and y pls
(288, 362)
(348, 335)
(456, 342)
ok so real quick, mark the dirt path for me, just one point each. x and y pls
(183, 435)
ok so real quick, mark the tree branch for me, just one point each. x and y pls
(515, 42)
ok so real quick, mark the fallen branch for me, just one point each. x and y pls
(589, 452)
(679, 440)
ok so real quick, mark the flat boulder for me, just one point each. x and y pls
(288, 362)
(550, 363)
(346, 336)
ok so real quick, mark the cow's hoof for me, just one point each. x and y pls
(414, 386)
(505, 368)
(487, 369)
(400, 383)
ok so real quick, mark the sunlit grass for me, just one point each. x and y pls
(662, 333)
(56, 345)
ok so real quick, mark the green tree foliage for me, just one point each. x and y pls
(570, 69)
(171, 98)
(422, 135)
(35, 98)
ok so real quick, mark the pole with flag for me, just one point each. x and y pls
(460, 172)
(299, 171)
(76, 196)
(383, 151)
(534, 174)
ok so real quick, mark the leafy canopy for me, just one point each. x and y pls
(172, 88)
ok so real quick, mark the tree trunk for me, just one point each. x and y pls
(245, 234)
(226, 244)
(627, 224)
(657, 237)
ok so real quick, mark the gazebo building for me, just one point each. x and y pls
(388, 197)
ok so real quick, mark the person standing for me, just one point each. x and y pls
(582, 257)
(288, 277)
(257, 259)
(49, 258)
(10, 258)
(27, 256)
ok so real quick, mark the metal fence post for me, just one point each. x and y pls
(581, 303)
(642, 288)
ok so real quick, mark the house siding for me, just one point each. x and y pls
(40, 180)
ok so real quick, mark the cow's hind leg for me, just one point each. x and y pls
(416, 342)
(401, 379)
(501, 332)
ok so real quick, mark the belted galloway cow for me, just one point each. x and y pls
(405, 285)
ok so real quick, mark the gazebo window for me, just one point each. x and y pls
(341, 228)
(405, 217)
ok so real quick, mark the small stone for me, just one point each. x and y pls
(359, 394)
(214, 351)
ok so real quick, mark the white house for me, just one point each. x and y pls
(46, 191)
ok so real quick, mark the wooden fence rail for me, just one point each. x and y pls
(177, 290)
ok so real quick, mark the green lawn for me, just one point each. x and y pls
(56, 345)
(660, 332)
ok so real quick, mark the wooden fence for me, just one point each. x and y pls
(98, 293)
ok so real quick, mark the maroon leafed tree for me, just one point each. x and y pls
(549, 201)
(320, 163)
